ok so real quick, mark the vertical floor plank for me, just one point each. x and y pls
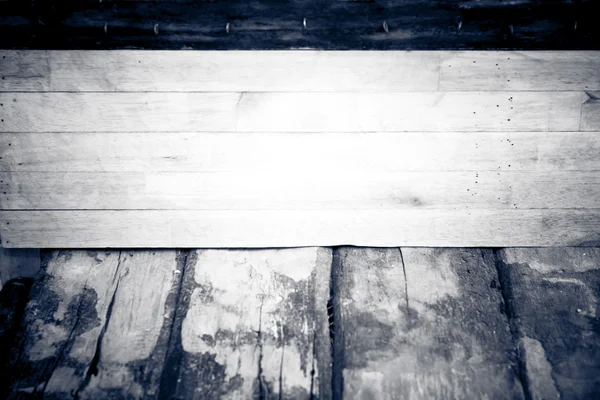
(13, 299)
(553, 303)
(422, 323)
(98, 324)
(255, 326)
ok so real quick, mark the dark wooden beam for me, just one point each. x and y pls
(331, 25)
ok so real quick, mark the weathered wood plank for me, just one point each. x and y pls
(417, 111)
(527, 70)
(410, 24)
(422, 323)
(13, 299)
(552, 296)
(223, 152)
(590, 111)
(293, 112)
(93, 331)
(231, 71)
(239, 71)
(21, 263)
(300, 187)
(255, 326)
(282, 228)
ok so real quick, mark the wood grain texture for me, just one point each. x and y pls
(255, 228)
(13, 299)
(422, 323)
(292, 112)
(266, 152)
(215, 71)
(275, 71)
(253, 325)
(553, 306)
(93, 331)
(22, 263)
(295, 188)
(519, 70)
(410, 24)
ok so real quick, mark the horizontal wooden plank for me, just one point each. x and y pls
(215, 71)
(294, 112)
(222, 152)
(243, 24)
(292, 187)
(274, 71)
(519, 70)
(378, 228)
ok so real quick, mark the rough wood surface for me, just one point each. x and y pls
(283, 228)
(296, 188)
(255, 24)
(240, 71)
(21, 263)
(533, 111)
(97, 325)
(553, 306)
(268, 152)
(421, 323)
(253, 324)
(13, 299)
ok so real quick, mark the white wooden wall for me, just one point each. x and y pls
(298, 148)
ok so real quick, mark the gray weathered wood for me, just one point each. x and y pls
(98, 325)
(520, 70)
(252, 324)
(334, 152)
(134, 70)
(295, 187)
(294, 228)
(535, 111)
(421, 323)
(553, 305)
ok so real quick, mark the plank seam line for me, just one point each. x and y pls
(117, 92)
(297, 133)
(286, 210)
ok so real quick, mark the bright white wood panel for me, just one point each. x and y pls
(292, 112)
(381, 151)
(377, 228)
(218, 71)
(520, 70)
(295, 188)
(138, 70)
(418, 111)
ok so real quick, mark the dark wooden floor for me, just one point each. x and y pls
(267, 24)
(347, 322)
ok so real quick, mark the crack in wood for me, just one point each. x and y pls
(263, 389)
(408, 317)
(93, 368)
(335, 327)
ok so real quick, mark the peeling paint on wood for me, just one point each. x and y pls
(255, 326)
(94, 323)
(422, 323)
